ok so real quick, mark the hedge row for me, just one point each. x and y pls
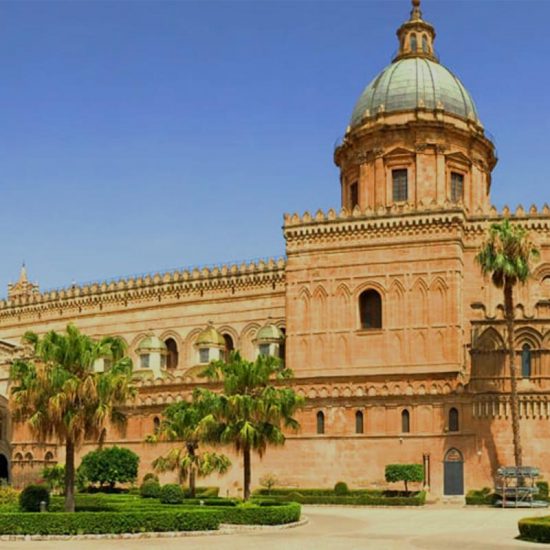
(105, 522)
(535, 529)
(482, 497)
(415, 499)
(253, 514)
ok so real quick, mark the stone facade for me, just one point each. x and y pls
(395, 339)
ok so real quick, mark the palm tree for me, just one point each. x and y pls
(60, 396)
(506, 256)
(181, 423)
(251, 412)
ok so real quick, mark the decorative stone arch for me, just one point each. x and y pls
(489, 340)
(396, 303)
(233, 334)
(319, 308)
(368, 285)
(528, 335)
(247, 346)
(542, 272)
(438, 301)
(189, 346)
(173, 355)
(418, 302)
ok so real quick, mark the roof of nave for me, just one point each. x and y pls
(199, 280)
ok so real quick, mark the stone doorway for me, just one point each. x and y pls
(453, 473)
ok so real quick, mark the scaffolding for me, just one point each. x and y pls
(517, 487)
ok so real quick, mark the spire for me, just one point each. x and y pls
(22, 288)
(23, 274)
(416, 14)
(416, 36)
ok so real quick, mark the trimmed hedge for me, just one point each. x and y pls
(106, 522)
(150, 489)
(535, 529)
(365, 497)
(254, 514)
(171, 493)
(481, 497)
(31, 497)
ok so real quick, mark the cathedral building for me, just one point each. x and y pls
(395, 338)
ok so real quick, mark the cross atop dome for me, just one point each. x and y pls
(416, 36)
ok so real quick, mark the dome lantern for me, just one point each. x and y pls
(416, 36)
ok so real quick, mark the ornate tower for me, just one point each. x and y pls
(414, 137)
(23, 288)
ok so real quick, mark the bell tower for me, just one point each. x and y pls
(415, 140)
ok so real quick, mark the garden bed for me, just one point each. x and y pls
(115, 514)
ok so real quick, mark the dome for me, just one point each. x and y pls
(411, 83)
(210, 337)
(151, 343)
(269, 333)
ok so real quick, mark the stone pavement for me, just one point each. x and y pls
(330, 528)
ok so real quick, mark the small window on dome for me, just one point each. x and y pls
(457, 187)
(425, 47)
(400, 185)
(264, 349)
(414, 45)
(144, 361)
(204, 355)
(354, 195)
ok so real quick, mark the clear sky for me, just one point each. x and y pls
(143, 135)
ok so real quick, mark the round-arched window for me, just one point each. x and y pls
(454, 421)
(405, 421)
(320, 422)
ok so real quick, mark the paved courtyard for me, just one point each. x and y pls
(349, 528)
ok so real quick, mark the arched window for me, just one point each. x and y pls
(414, 45)
(405, 421)
(18, 456)
(29, 457)
(229, 345)
(173, 354)
(156, 425)
(454, 423)
(425, 47)
(320, 422)
(526, 361)
(370, 309)
(48, 457)
(359, 428)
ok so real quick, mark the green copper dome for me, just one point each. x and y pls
(411, 83)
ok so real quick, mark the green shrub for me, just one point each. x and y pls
(376, 498)
(341, 488)
(149, 476)
(111, 466)
(543, 490)
(150, 489)
(405, 473)
(171, 493)
(106, 522)
(54, 476)
(535, 529)
(8, 496)
(253, 514)
(31, 497)
(481, 497)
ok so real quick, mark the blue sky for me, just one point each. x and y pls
(139, 136)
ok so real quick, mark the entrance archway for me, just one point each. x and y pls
(453, 473)
(4, 468)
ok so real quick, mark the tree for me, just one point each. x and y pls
(60, 395)
(251, 411)
(110, 466)
(54, 476)
(506, 257)
(404, 472)
(181, 423)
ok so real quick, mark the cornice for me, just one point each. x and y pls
(159, 287)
